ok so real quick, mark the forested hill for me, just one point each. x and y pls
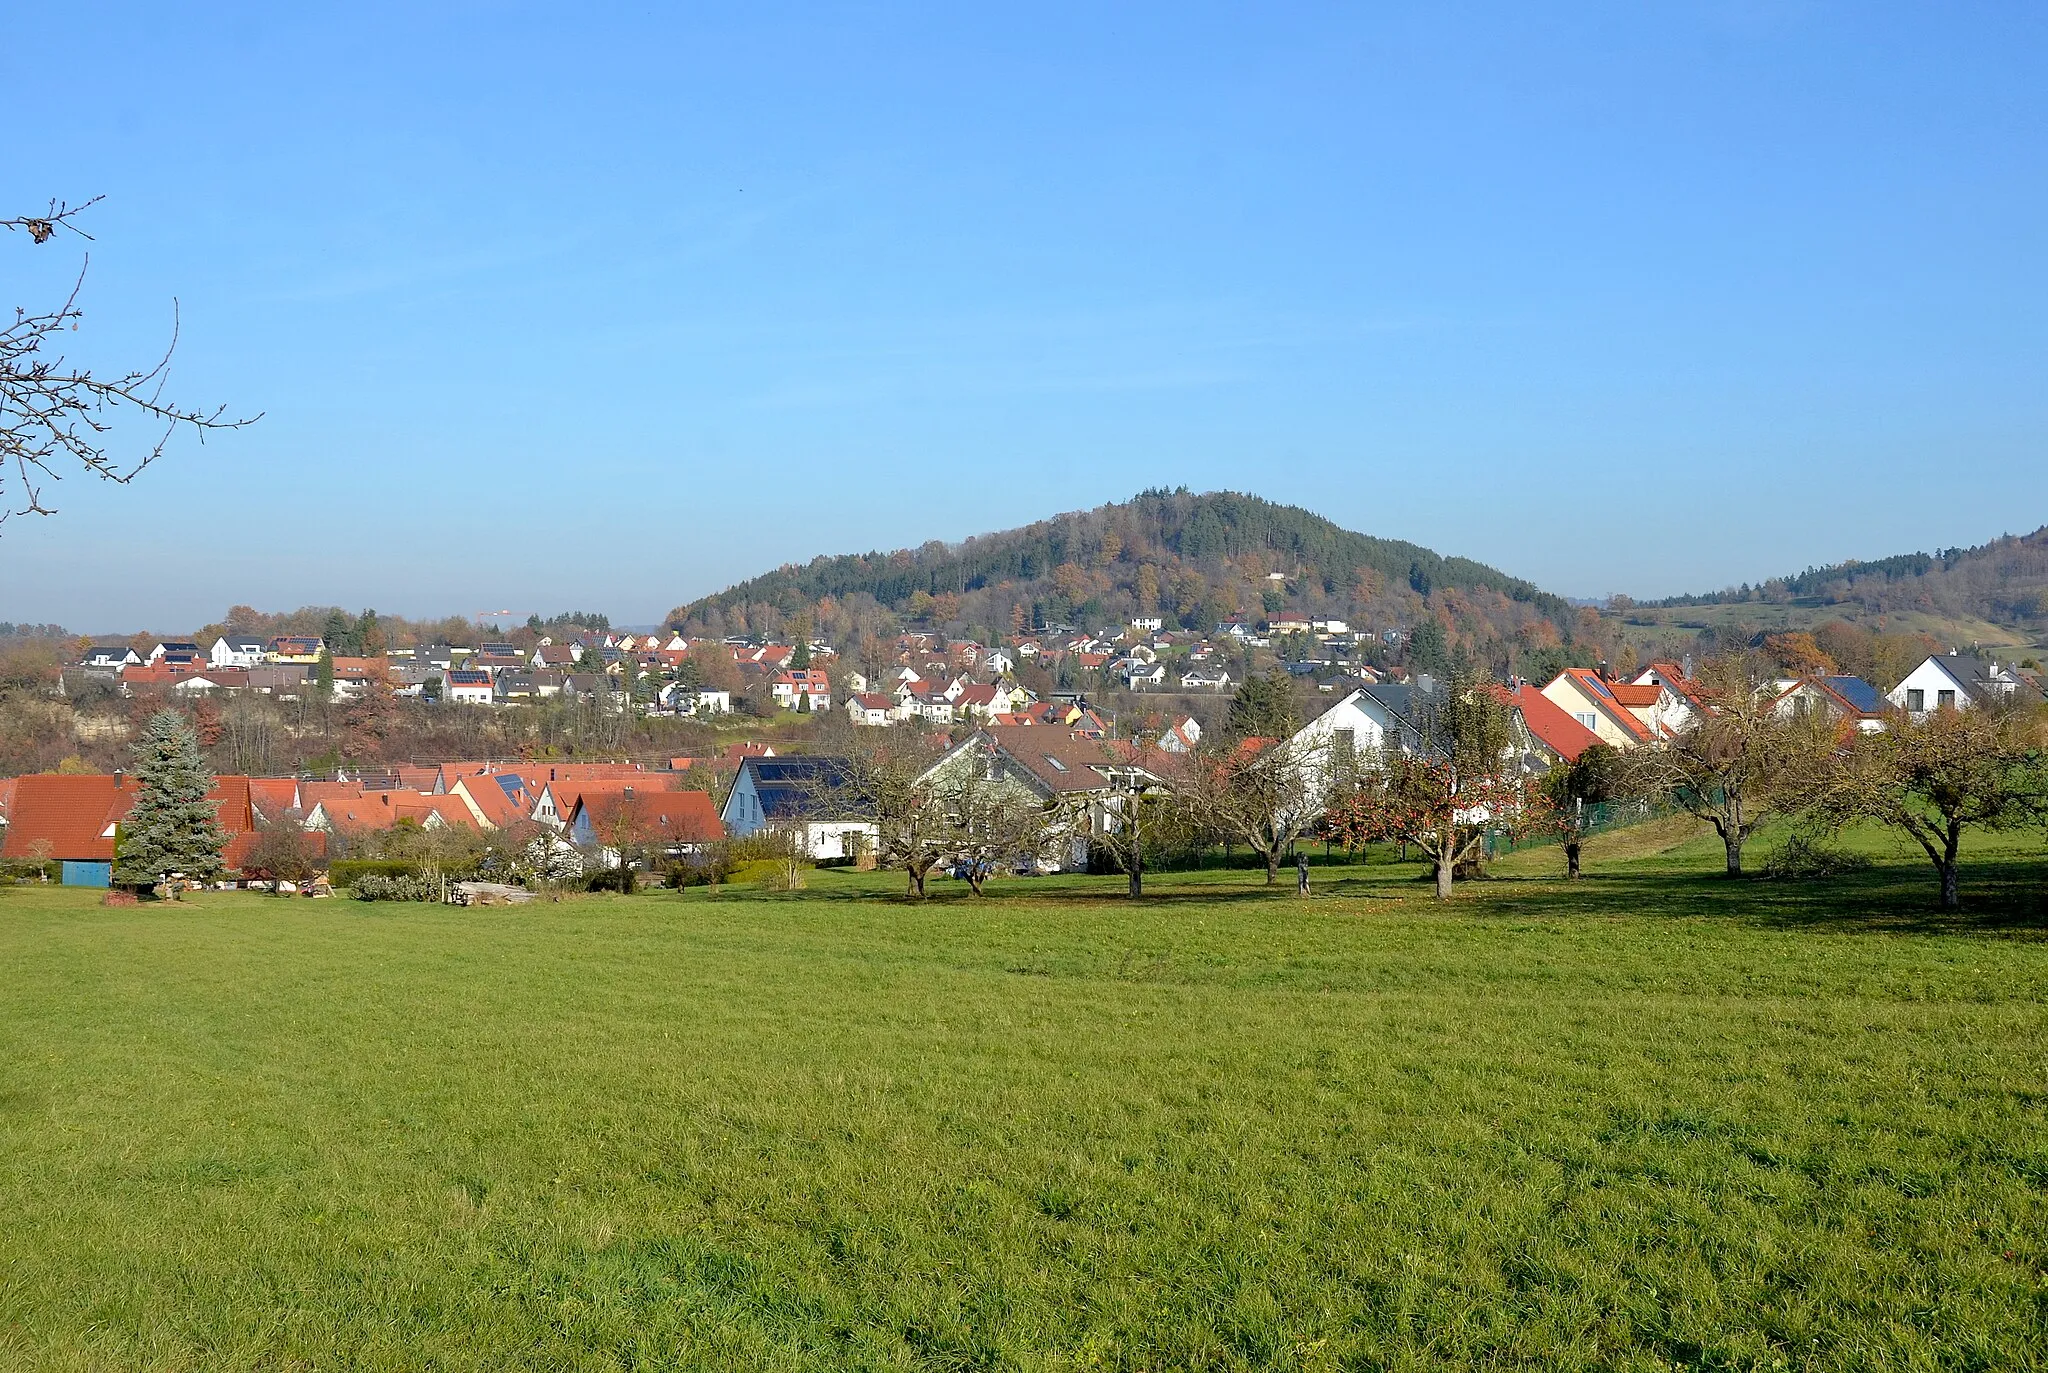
(2004, 581)
(1191, 559)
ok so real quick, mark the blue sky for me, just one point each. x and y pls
(581, 306)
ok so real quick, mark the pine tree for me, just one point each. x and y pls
(323, 676)
(172, 827)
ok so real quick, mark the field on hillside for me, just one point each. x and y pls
(1651, 1120)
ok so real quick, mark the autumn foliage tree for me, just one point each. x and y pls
(1463, 781)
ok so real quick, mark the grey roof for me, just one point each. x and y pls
(1858, 693)
(792, 788)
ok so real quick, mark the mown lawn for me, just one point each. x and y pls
(1655, 1119)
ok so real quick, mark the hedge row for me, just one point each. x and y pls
(343, 872)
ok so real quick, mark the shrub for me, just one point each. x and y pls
(344, 872)
(30, 870)
(619, 879)
(1805, 855)
(372, 886)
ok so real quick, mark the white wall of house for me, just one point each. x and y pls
(1931, 686)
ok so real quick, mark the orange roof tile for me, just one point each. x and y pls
(1553, 728)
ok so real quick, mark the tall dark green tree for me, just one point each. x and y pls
(172, 826)
(1264, 708)
(323, 675)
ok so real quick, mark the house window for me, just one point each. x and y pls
(1586, 718)
(1945, 700)
(1346, 744)
(1916, 699)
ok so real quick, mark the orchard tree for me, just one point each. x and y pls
(1462, 781)
(1738, 764)
(1265, 794)
(283, 853)
(1569, 789)
(173, 827)
(1951, 771)
(57, 415)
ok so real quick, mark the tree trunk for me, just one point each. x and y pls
(1733, 844)
(1571, 858)
(916, 877)
(1137, 880)
(1951, 886)
(1272, 866)
(1446, 873)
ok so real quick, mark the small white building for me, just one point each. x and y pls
(468, 687)
(236, 650)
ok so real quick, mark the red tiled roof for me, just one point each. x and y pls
(1553, 728)
(70, 815)
(75, 814)
(1635, 697)
(674, 817)
(273, 796)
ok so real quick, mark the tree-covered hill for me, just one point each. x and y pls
(2004, 582)
(1189, 559)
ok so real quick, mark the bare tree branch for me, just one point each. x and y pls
(54, 415)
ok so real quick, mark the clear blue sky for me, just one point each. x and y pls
(573, 306)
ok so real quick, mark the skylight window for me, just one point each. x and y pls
(1057, 765)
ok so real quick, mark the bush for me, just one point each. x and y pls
(372, 886)
(29, 870)
(344, 872)
(1805, 855)
(619, 879)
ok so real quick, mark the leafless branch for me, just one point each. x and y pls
(54, 415)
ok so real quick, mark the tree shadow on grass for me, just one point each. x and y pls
(2000, 897)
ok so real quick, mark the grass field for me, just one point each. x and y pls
(1654, 1119)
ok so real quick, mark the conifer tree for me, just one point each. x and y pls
(172, 826)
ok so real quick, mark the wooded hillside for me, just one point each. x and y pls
(1192, 560)
(2004, 581)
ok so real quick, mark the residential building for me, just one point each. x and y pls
(236, 650)
(1838, 698)
(1954, 681)
(795, 793)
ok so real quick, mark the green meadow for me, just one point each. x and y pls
(1653, 1119)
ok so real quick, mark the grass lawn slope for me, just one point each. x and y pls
(1652, 1119)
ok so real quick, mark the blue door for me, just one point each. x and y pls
(88, 874)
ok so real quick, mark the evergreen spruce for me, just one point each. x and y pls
(172, 826)
(323, 676)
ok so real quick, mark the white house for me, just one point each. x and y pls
(790, 794)
(1955, 682)
(689, 700)
(1205, 679)
(181, 648)
(468, 687)
(1837, 698)
(1143, 676)
(872, 708)
(237, 650)
(111, 656)
(1183, 737)
(1000, 663)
